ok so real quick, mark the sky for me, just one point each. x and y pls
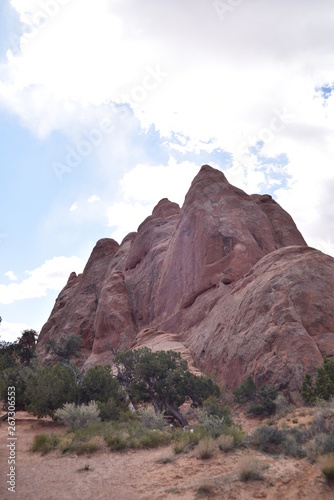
(108, 106)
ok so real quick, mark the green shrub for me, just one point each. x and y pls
(109, 410)
(246, 392)
(322, 387)
(262, 399)
(98, 384)
(213, 424)
(267, 439)
(236, 432)
(214, 406)
(45, 442)
(151, 419)
(78, 416)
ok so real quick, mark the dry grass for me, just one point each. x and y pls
(226, 443)
(205, 449)
(249, 468)
(326, 463)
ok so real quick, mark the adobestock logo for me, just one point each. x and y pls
(39, 19)
(95, 137)
(276, 125)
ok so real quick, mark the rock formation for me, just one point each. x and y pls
(227, 280)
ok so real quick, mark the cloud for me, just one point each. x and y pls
(11, 276)
(11, 331)
(52, 275)
(74, 207)
(93, 198)
(143, 187)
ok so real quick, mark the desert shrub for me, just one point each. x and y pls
(49, 388)
(205, 448)
(151, 419)
(133, 434)
(45, 442)
(249, 468)
(321, 423)
(326, 463)
(213, 424)
(205, 490)
(214, 406)
(293, 443)
(262, 398)
(267, 438)
(282, 405)
(117, 442)
(90, 446)
(78, 416)
(246, 391)
(236, 432)
(166, 459)
(322, 387)
(226, 443)
(109, 410)
(181, 446)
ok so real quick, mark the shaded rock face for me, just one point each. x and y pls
(227, 280)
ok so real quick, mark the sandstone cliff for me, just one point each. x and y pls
(227, 279)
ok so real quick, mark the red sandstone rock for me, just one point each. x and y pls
(227, 279)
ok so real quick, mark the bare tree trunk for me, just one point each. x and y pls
(176, 414)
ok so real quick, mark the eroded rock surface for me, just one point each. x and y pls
(227, 279)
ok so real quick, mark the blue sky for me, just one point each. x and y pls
(106, 107)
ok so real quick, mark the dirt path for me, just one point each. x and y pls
(138, 475)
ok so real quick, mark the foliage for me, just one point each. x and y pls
(267, 438)
(322, 387)
(214, 406)
(45, 442)
(25, 347)
(205, 448)
(213, 424)
(152, 420)
(49, 388)
(161, 378)
(17, 376)
(262, 398)
(98, 384)
(76, 416)
(66, 347)
(246, 392)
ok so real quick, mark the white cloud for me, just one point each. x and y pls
(74, 207)
(52, 275)
(93, 198)
(11, 276)
(143, 187)
(11, 331)
(227, 81)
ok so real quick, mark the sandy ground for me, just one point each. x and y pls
(135, 475)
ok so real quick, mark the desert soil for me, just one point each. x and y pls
(133, 475)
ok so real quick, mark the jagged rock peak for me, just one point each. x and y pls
(165, 208)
